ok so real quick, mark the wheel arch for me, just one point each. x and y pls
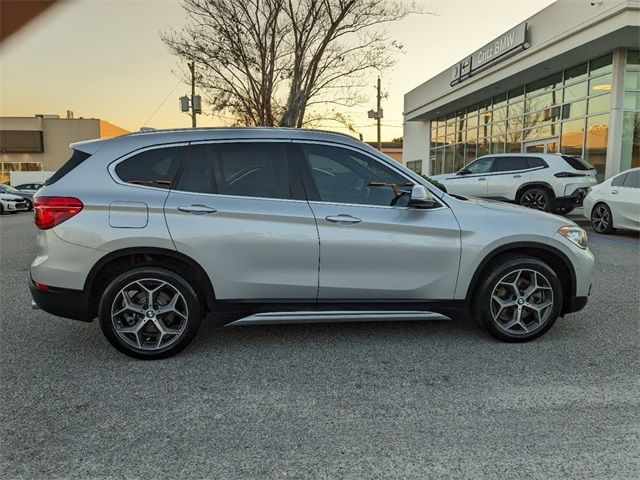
(119, 261)
(534, 184)
(555, 258)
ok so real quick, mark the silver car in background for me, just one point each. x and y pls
(152, 232)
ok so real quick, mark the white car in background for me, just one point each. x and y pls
(549, 182)
(615, 203)
(12, 203)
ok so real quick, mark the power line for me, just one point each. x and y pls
(162, 103)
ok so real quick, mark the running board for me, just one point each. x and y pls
(281, 318)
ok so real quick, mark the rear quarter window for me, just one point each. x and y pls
(577, 163)
(76, 159)
(151, 168)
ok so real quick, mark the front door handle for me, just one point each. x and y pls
(614, 192)
(482, 179)
(517, 176)
(343, 219)
(197, 209)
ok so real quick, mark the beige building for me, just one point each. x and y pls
(391, 149)
(41, 143)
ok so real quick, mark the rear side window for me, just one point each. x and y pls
(619, 180)
(240, 169)
(76, 159)
(536, 162)
(577, 163)
(507, 164)
(632, 180)
(152, 168)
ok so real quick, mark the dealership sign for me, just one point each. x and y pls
(500, 49)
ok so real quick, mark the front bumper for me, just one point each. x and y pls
(62, 302)
(17, 207)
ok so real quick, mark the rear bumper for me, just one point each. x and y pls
(62, 302)
(573, 200)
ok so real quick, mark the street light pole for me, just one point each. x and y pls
(192, 68)
(379, 116)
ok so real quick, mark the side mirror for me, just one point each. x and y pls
(421, 198)
(464, 171)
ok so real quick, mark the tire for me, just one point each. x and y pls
(562, 210)
(496, 302)
(1, 209)
(29, 205)
(134, 328)
(602, 219)
(536, 198)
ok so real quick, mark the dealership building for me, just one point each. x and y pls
(566, 80)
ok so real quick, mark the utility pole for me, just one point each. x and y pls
(194, 103)
(192, 67)
(377, 114)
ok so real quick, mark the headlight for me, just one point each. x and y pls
(5, 199)
(574, 234)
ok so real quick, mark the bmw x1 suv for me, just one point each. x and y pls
(152, 232)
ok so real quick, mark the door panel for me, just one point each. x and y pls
(370, 249)
(391, 253)
(253, 243)
(625, 201)
(507, 175)
(474, 181)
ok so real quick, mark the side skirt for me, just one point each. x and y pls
(283, 318)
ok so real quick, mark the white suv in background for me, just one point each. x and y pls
(549, 182)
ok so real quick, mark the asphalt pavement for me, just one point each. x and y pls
(437, 399)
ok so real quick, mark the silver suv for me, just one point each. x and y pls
(152, 232)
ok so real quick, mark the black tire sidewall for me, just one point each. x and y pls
(482, 300)
(176, 280)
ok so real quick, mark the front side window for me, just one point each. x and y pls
(482, 165)
(619, 180)
(509, 164)
(345, 176)
(632, 180)
(152, 168)
(240, 169)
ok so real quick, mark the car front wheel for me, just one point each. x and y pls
(149, 313)
(519, 298)
(602, 219)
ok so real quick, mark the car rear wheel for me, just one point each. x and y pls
(519, 298)
(537, 198)
(602, 219)
(149, 313)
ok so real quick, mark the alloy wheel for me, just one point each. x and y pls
(534, 199)
(149, 314)
(522, 301)
(600, 218)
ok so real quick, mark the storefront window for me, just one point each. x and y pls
(458, 162)
(497, 144)
(595, 151)
(573, 92)
(630, 141)
(575, 74)
(599, 104)
(572, 137)
(448, 159)
(600, 65)
(574, 110)
(600, 84)
(631, 101)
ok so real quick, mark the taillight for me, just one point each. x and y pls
(569, 174)
(52, 211)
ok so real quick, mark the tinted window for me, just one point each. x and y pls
(241, 169)
(507, 164)
(619, 180)
(577, 163)
(76, 159)
(480, 166)
(536, 162)
(345, 176)
(632, 180)
(153, 168)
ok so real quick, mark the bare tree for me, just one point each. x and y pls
(285, 62)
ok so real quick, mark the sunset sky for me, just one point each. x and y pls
(104, 59)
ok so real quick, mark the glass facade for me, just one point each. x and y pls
(566, 112)
(630, 155)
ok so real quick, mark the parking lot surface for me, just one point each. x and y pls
(396, 400)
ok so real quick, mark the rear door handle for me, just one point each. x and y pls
(197, 209)
(517, 176)
(343, 219)
(614, 192)
(482, 179)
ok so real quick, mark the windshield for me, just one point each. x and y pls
(578, 163)
(10, 189)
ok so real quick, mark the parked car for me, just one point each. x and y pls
(548, 182)
(615, 203)
(11, 203)
(29, 187)
(27, 197)
(151, 232)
